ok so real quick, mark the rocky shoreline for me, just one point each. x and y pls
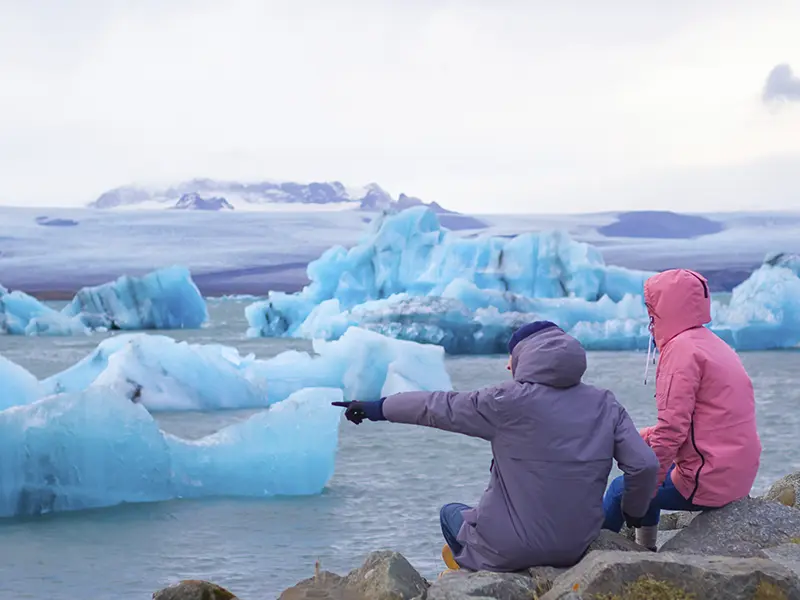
(749, 550)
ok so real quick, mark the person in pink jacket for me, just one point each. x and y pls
(705, 439)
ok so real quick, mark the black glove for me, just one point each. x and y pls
(358, 411)
(632, 522)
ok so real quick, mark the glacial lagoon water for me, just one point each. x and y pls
(389, 484)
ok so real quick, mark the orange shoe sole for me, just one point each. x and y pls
(449, 559)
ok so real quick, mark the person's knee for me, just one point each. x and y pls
(617, 489)
(446, 514)
(452, 508)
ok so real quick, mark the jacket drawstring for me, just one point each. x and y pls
(650, 351)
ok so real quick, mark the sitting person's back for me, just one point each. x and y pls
(706, 403)
(705, 437)
(553, 441)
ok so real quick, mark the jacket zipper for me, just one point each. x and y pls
(700, 468)
(705, 287)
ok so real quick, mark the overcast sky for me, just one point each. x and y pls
(490, 105)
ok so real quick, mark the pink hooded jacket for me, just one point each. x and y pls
(706, 407)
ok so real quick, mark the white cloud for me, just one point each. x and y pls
(482, 106)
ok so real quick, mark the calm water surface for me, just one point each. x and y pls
(390, 481)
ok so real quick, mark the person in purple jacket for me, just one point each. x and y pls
(554, 440)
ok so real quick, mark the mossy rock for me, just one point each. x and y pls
(649, 588)
(786, 490)
(651, 576)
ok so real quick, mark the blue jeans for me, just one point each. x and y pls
(667, 498)
(451, 519)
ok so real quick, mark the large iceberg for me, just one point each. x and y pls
(163, 374)
(96, 448)
(164, 299)
(412, 280)
(452, 324)
(409, 253)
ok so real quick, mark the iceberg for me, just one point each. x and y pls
(163, 374)
(21, 314)
(458, 329)
(96, 448)
(410, 253)
(764, 310)
(163, 299)
(17, 385)
(409, 279)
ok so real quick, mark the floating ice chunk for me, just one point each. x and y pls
(163, 299)
(763, 311)
(462, 329)
(358, 362)
(80, 451)
(288, 450)
(21, 314)
(409, 253)
(410, 280)
(371, 365)
(163, 374)
(96, 448)
(17, 385)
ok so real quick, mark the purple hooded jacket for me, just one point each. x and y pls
(553, 440)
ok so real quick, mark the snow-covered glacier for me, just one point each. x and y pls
(410, 279)
(162, 374)
(164, 299)
(96, 448)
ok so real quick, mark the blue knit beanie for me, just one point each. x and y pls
(526, 331)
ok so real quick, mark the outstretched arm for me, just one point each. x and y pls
(477, 413)
(639, 464)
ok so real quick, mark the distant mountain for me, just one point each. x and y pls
(660, 225)
(259, 195)
(404, 202)
(197, 202)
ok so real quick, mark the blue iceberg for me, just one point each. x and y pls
(21, 314)
(411, 280)
(163, 374)
(96, 448)
(163, 299)
(409, 253)
(17, 385)
(764, 310)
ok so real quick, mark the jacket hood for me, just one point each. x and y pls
(550, 357)
(676, 300)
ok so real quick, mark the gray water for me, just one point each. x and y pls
(389, 483)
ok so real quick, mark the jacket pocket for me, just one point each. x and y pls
(662, 392)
